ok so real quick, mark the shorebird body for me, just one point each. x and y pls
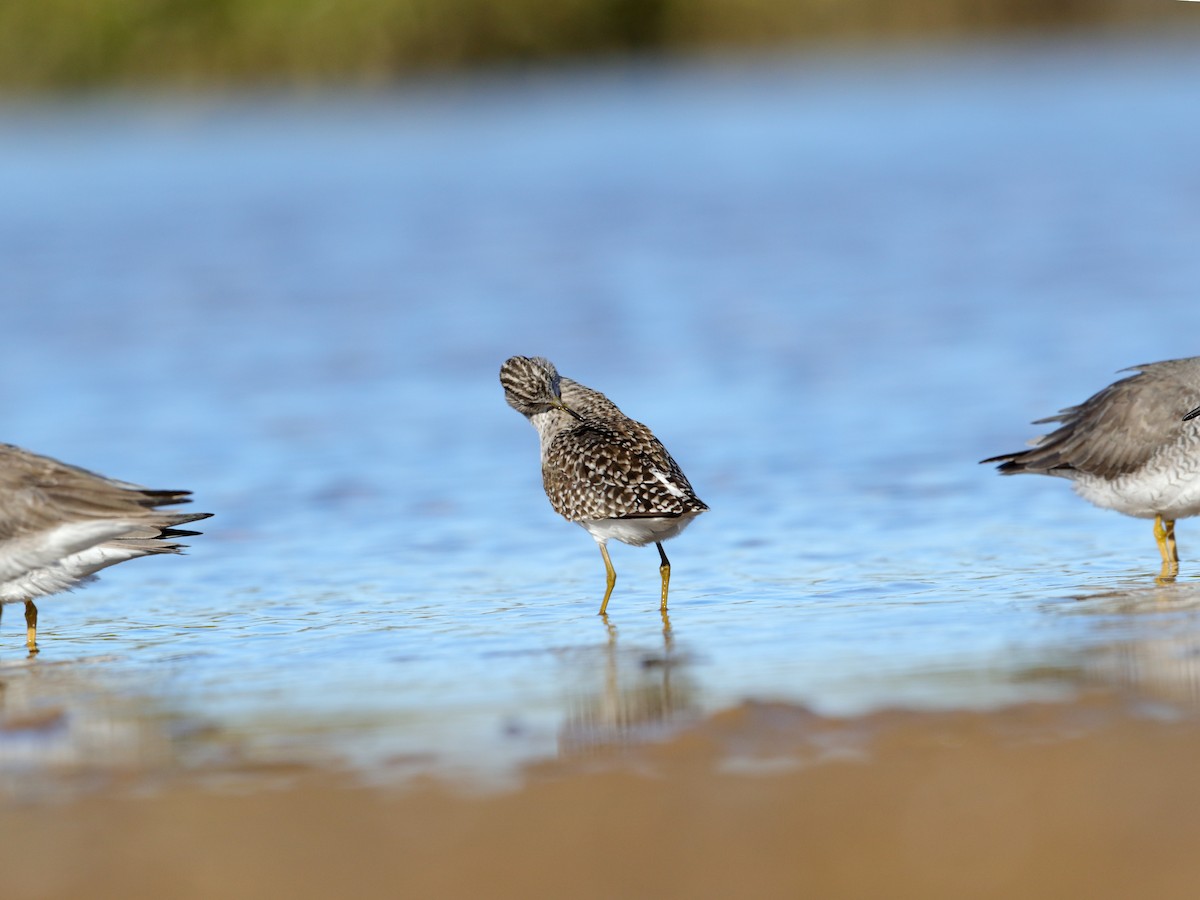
(601, 469)
(60, 524)
(1131, 447)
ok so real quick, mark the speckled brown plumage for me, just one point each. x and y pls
(600, 468)
(607, 466)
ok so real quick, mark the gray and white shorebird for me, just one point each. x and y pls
(600, 468)
(60, 524)
(1133, 447)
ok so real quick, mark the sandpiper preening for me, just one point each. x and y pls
(60, 524)
(1133, 447)
(601, 469)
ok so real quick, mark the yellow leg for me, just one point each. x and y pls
(1160, 537)
(665, 571)
(30, 625)
(1164, 535)
(611, 577)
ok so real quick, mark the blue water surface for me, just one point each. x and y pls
(830, 284)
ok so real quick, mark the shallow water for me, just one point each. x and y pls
(830, 285)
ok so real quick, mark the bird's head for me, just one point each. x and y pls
(531, 385)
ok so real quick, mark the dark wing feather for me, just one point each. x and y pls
(1117, 430)
(40, 493)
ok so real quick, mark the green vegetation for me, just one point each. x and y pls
(66, 44)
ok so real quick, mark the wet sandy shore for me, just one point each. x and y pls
(1098, 798)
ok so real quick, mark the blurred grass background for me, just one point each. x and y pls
(72, 44)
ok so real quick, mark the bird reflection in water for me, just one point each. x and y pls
(626, 695)
(1155, 652)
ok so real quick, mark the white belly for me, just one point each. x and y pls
(638, 531)
(47, 562)
(1170, 491)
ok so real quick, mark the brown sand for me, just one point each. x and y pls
(1058, 801)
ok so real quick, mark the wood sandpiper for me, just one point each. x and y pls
(601, 469)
